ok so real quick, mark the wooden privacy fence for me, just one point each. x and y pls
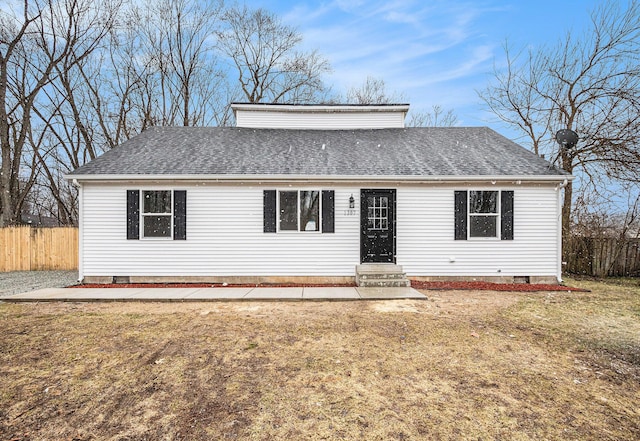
(603, 257)
(29, 249)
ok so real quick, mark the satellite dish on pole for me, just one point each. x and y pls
(567, 138)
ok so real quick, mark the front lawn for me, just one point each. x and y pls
(474, 365)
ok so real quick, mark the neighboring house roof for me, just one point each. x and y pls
(427, 153)
(38, 221)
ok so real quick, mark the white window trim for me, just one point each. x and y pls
(143, 214)
(298, 231)
(497, 215)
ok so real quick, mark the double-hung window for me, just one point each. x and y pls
(157, 213)
(483, 213)
(299, 210)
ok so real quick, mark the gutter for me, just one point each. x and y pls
(564, 183)
(316, 108)
(359, 179)
(559, 233)
(80, 228)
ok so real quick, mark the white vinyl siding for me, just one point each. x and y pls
(225, 235)
(322, 120)
(426, 245)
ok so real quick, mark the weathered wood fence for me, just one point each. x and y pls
(30, 249)
(603, 257)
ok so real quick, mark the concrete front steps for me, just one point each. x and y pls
(381, 275)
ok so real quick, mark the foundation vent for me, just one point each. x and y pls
(521, 279)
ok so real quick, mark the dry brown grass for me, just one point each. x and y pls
(462, 365)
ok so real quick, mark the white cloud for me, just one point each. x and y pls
(433, 53)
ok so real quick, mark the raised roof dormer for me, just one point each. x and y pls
(320, 116)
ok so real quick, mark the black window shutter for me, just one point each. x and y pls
(269, 206)
(180, 215)
(506, 215)
(133, 214)
(328, 204)
(460, 202)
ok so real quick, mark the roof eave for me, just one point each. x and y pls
(332, 108)
(320, 178)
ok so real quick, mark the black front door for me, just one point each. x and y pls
(377, 225)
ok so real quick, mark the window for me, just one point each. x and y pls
(483, 213)
(299, 210)
(157, 214)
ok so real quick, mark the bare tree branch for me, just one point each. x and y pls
(589, 84)
(269, 67)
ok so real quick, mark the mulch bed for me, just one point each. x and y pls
(490, 286)
(477, 286)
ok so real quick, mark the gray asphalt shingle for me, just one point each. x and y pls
(433, 151)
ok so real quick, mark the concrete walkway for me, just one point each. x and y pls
(211, 294)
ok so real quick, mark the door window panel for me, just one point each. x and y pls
(378, 213)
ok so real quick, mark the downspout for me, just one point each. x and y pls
(80, 229)
(559, 235)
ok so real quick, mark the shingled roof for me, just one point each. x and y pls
(433, 152)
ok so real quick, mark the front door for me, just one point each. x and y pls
(377, 225)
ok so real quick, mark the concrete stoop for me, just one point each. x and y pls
(381, 275)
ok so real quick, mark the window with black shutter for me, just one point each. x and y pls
(328, 210)
(180, 215)
(506, 213)
(133, 214)
(157, 214)
(484, 214)
(269, 208)
(460, 208)
(298, 211)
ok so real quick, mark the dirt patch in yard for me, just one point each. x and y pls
(461, 365)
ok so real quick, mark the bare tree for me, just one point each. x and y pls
(437, 117)
(33, 41)
(373, 91)
(175, 49)
(589, 84)
(157, 68)
(266, 55)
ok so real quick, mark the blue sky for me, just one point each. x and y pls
(433, 52)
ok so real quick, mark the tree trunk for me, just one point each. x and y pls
(7, 211)
(567, 165)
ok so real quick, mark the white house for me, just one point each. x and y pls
(305, 193)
